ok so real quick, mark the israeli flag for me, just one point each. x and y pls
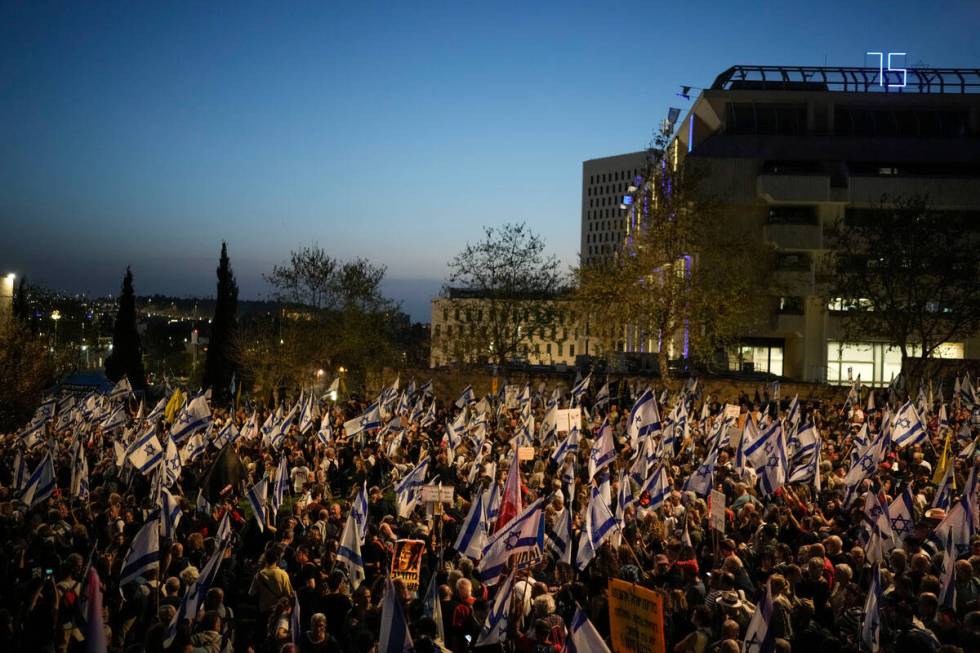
(408, 488)
(40, 484)
(901, 514)
(580, 389)
(171, 463)
(394, 636)
(430, 416)
(170, 513)
(944, 493)
(603, 451)
(116, 420)
(195, 595)
(523, 533)
(157, 412)
(195, 446)
(146, 452)
(359, 511)
(582, 636)
(495, 627)
(251, 428)
(559, 537)
(122, 389)
(958, 526)
(568, 445)
(472, 536)
(657, 487)
(279, 484)
(599, 526)
(865, 466)
(757, 637)
(603, 396)
(307, 415)
(773, 475)
(349, 552)
(702, 480)
(194, 417)
(871, 626)
(371, 419)
(644, 418)
(491, 498)
(325, 432)
(278, 435)
(907, 428)
(257, 497)
(467, 397)
(227, 435)
(144, 553)
(79, 473)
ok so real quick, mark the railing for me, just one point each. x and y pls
(849, 79)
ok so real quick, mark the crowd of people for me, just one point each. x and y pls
(839, 525)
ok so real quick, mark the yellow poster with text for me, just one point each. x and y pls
(636, 618)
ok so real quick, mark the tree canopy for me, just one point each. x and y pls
(515, 282)
(688, 280)
(906, 272)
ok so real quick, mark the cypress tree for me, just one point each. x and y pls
(21, 310)
(222, 360)
(126, 358)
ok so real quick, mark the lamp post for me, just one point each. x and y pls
(56, 317)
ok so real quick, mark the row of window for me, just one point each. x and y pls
(619, 175)
(606, 201)
(604, 213)
(595, 250)
(605, 225)
(606, 237)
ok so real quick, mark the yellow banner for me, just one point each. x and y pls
(636, 618)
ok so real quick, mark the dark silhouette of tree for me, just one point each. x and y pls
(21, 309)
(126, 358)
(222, 361)
(906, 271)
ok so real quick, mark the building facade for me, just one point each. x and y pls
(605, 182)
(458, 335)
(791, 151)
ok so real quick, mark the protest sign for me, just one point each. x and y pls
(717, 517)
(406, 563)
(636, 618)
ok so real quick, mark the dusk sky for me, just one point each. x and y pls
(145, 135)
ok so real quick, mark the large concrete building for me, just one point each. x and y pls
(792, 150)
(604, 183)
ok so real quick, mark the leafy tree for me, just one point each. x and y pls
(27, 368)
(515, 284)
(314, 279)
(908, 273)
(686, 277)
(222, 359)
(332, 314)
(126, 358)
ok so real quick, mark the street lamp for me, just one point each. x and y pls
(7, 291)
(56, 316)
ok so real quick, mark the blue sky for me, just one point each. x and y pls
(145, 135)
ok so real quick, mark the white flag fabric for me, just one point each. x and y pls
(394, 636)
(582, 635)
(146, 452)
(349, 552)
(194, 417)
(757, 633)
(144, 553)
(40, 484)
(599, 526)
(523, 533)
(257, 498)
(170, 513)
(472, 536)
(495, 627)
(603, 451)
